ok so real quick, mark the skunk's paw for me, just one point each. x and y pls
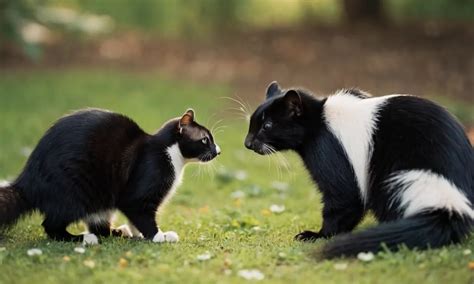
(308, 236)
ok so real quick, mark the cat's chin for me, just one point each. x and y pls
(205, 160)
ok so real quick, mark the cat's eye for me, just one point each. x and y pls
(267, 126)
(204, 140)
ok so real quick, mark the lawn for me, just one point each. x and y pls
(221, 212)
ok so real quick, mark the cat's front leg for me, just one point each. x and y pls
(146, 224)
(338, 217)
(127, 231)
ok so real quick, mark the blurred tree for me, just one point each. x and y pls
(363, 10)
(14, 14)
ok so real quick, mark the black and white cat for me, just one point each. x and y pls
(403, 157)
(92, 162)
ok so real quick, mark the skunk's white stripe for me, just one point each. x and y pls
(418, 190)
(178, 162)
(353, 121)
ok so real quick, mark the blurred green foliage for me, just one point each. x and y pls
(419, 10)
(198, 18)
(183, 18)
(14, 14)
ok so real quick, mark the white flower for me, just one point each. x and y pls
(275, 208)
(251, 274)
(365, 256)
(466, 252)
(34, 251)
(203, 257)
(80, 250)
(340, 266)
(237, 194)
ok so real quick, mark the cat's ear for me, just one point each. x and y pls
(186, 119)
(273, 89)
(293, 102)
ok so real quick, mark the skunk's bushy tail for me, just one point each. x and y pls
(428, 230)
(12, 206)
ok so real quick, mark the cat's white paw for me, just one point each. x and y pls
(125, 231)
(159, 237)
(171, 237)
(90, 239)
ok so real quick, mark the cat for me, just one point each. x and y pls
(404, 158)
(92, 162)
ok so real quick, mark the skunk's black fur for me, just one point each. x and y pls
(415, 159)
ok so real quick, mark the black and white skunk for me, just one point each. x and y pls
(403, 157)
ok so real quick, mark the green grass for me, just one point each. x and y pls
(238, 233)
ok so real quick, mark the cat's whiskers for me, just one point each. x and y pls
(240, 112)
(219, 129)
(244, 109)
(210, 118)
(216, 124)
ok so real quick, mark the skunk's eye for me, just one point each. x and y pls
(267, 126)
(204, 140)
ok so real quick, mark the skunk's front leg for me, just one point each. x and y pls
(340, 215)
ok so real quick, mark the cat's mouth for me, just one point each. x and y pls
(207, 157)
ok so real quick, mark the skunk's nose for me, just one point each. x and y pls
(248, 142)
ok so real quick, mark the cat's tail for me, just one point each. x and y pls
(428, 230)
(12, 205)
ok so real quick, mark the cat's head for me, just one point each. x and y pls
(277, 124)
(195, 141)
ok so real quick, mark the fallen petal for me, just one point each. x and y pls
(34, 251)
(80, 250)
(203, 257)
(275, 208)
(251, 274)
(365, 256)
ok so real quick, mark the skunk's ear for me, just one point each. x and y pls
(273, 89)
(293, 102)
(187, 118)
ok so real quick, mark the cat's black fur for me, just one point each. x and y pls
(411, 134)
(94, 161)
